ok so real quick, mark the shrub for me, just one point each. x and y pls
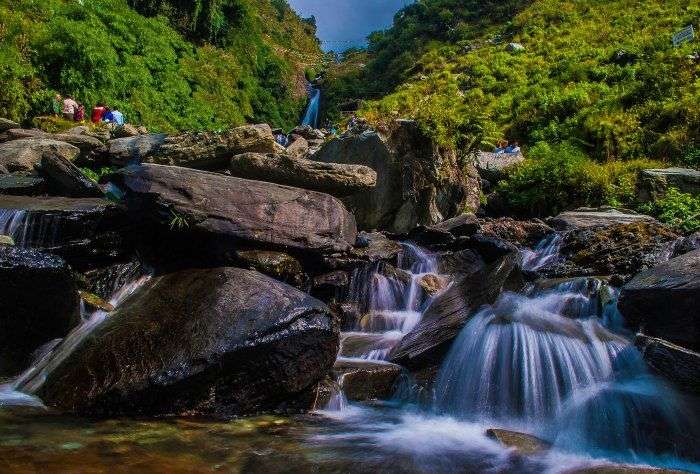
(679, 210)
(560, 177)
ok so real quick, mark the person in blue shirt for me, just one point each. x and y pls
(113, 116)
(513, 148)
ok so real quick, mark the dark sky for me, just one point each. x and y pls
(346, 23)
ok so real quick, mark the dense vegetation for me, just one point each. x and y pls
(597, 91)
(168, 64)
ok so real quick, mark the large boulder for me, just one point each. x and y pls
(212, 151)
(663, 301)
(595, 217)
(90, 146)
(614, 249)
(38, 303)
(298, 146)
(417, 183)
(426, 345)
(122, 151)
(237, 210)
(332, 178)
(366, 380)
(66, 179)
(22, 184)
(676, 364)
(653, 183)
(200, 342)
(85, 231)
(22, 155)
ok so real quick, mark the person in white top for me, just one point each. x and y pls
(70, 106)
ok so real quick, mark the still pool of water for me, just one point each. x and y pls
(365, 438)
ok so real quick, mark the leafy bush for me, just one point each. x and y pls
(160, 71)
(556, 178)
(602, 75)
(96, 175)
(680, 210)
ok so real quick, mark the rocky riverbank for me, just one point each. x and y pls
(259, 258)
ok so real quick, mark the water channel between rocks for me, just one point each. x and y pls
(550, 361)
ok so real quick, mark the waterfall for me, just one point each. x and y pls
(29, 230)
(547, 362)
(389, 304)
(311, 115)
(547, 251)
(19, 390)
(519, 359)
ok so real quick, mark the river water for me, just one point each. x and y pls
(552, 361)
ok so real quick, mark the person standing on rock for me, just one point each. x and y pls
(70, 106)
(57, 105)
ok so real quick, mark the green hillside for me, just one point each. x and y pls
(169, 65)
(595, 83)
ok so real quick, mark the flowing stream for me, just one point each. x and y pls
(553, 360)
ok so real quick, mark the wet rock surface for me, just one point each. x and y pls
(38, 303)
(222, 341)
(676, 364)
(24, 154)
(333, 178)
(278, 265)
(415, 184)
(236, 209)
(622, 249)
(663, 301)
(22, 184)
(523, 443)
(366, 380)
(85, 231)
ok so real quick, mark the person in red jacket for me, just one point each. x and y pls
(97, 113)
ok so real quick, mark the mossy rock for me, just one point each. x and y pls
(7, 240)
(95, 301)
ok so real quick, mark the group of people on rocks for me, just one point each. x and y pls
(504, 147)
(75, 112)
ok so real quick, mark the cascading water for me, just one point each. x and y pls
(546, 252)
(28, 230)
(20, 391)
(519, 359)
(311, 115)
(389, 303)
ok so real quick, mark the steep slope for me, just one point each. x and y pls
(602, 75)
(167, 64)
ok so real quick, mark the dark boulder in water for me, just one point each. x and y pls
(66, 179)
(678, 365)
(366, 380)
(38, 303)
(614, 249)
(22, 184)
(235, 210)
(416, 182)
(426, 345)
(663, 301)
(85, 231)
(222, 342)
